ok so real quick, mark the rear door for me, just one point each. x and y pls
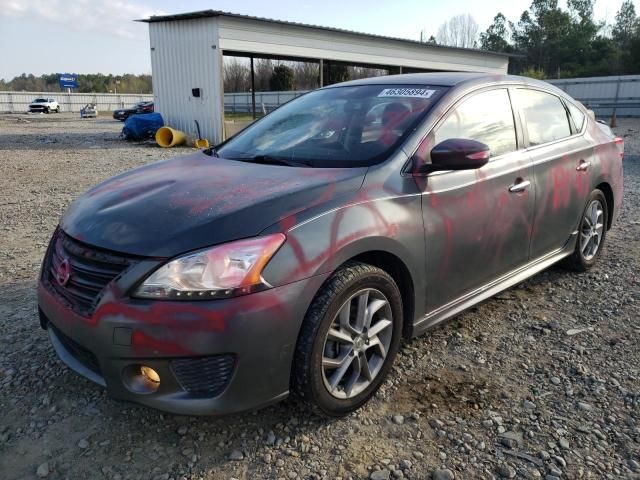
(561, 158)
(477, 221)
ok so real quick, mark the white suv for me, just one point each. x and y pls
(45, 105)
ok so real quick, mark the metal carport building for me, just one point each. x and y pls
(187, 58)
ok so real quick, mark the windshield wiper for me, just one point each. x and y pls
(211, 151)
(270, 160)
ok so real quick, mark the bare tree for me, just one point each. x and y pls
(236, 75)
(357, 72)
(458, 31)
(307, 75)
(263, 68)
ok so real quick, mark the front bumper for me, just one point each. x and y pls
(259, 331)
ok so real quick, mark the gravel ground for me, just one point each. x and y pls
(540, 382)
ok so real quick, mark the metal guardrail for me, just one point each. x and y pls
(606, 96)
(596, 80)
(591, 103)
(609, 109)
(18, 102)
(70, 102)
(242, 102)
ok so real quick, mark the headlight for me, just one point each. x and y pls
(224, 271)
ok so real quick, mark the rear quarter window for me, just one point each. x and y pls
(577, 117)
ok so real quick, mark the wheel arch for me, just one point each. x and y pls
(606, 189)
(403, 264)
(400, 273)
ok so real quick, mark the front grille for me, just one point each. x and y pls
(90, 271)
(205, 376)
(81, 354)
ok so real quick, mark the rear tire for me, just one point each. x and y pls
(592, 232)
(348, 341)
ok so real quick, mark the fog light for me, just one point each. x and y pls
(150, 374)
(140, 379)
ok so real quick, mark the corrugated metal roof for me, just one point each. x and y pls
(220, 13)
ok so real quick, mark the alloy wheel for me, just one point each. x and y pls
(591, 230)
(357, 343)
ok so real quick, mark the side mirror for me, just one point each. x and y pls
(454, 154)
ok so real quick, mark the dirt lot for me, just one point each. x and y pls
(507, 390)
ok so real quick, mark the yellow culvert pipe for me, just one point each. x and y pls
(168, 137)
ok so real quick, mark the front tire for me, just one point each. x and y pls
(592, 232)
(348, 341)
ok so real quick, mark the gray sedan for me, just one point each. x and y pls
(297, 256)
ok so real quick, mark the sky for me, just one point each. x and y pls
(91, 36)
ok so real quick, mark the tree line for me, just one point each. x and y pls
(550, 42)
(269, 75)
(87, 83)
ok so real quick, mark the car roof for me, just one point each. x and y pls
(444, 79)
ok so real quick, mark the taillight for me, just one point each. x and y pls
(620, 144)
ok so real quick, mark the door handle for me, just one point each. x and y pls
(583, 166)
(520, 186)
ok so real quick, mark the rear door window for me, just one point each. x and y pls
(545, 116)
(486, 117)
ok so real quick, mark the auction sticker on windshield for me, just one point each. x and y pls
(407, 92)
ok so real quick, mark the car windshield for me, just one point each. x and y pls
(40, 100)
(349, 126)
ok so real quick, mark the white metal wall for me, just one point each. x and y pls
(185, 55)
(70, 102)
(603, 94)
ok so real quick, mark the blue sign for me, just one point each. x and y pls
(68, 80)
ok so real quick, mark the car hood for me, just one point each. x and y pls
(170, 207)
